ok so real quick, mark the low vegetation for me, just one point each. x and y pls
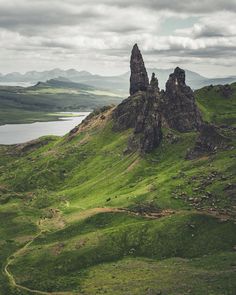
(79, 216)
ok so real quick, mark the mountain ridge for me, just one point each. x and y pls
(118, 82)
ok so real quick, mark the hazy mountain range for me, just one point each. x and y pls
(119, 83)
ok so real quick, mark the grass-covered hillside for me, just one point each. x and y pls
(218, 103)
(36, 103)
(78, 216)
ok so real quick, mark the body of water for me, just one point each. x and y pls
(20, 133)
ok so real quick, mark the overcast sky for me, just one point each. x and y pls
(97, 36)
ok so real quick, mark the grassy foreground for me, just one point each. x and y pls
(80, 217)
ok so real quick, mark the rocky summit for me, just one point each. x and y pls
(147, 108)
(178, 107)
(139, 76)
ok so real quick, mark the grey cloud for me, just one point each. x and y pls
(190, 6)
(26, 13)
(106, 30)
(208, 32)
(43, 18)
(56, 44)
(211, 52)
(212, 31)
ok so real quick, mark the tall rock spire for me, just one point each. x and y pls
(139, 78)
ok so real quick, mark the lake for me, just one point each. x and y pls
(20, 133)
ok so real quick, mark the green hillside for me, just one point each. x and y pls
(78, 216)
(218, 103)
(36, 103)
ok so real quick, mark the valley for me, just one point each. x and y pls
(43, 101)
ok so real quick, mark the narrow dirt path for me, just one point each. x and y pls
(11, 278)
(94, 211)
(83, 215)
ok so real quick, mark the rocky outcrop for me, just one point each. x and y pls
(209, 141)
(139, 78)
(147, 133)
(154, 83)
(126, 113)
(140, 112)
(178, 105)
(32, 145)
(147, 108)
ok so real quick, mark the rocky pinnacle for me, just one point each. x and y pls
(178, 106)
(139, 78)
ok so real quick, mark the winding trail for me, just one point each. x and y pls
(86, 214)
(11, 279)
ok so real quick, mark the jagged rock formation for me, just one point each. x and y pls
(139, 78)
(147, 108)
(147, 130)
(208, 141)
(178, 104)
(140, 112)
(154, 83)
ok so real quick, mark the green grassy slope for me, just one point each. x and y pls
(19, 104)
(216, 106)
(59, 205)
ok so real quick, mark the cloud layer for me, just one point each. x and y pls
(40, 34)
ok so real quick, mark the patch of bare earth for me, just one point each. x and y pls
(133, 165)
(97, 121)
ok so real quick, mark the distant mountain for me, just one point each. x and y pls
(119, 83)
(62, 82)
(193, 79)
(35, 76)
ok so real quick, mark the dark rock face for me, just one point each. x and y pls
(208, 141)
(126, 113)
(139, 78)
(225, 90)
(32, 145)
(147, 109)
(154, 83)
(140, 112)
(147, 130)
(178, 104)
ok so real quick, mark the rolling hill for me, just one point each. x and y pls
(138, 199)
(19, 104)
